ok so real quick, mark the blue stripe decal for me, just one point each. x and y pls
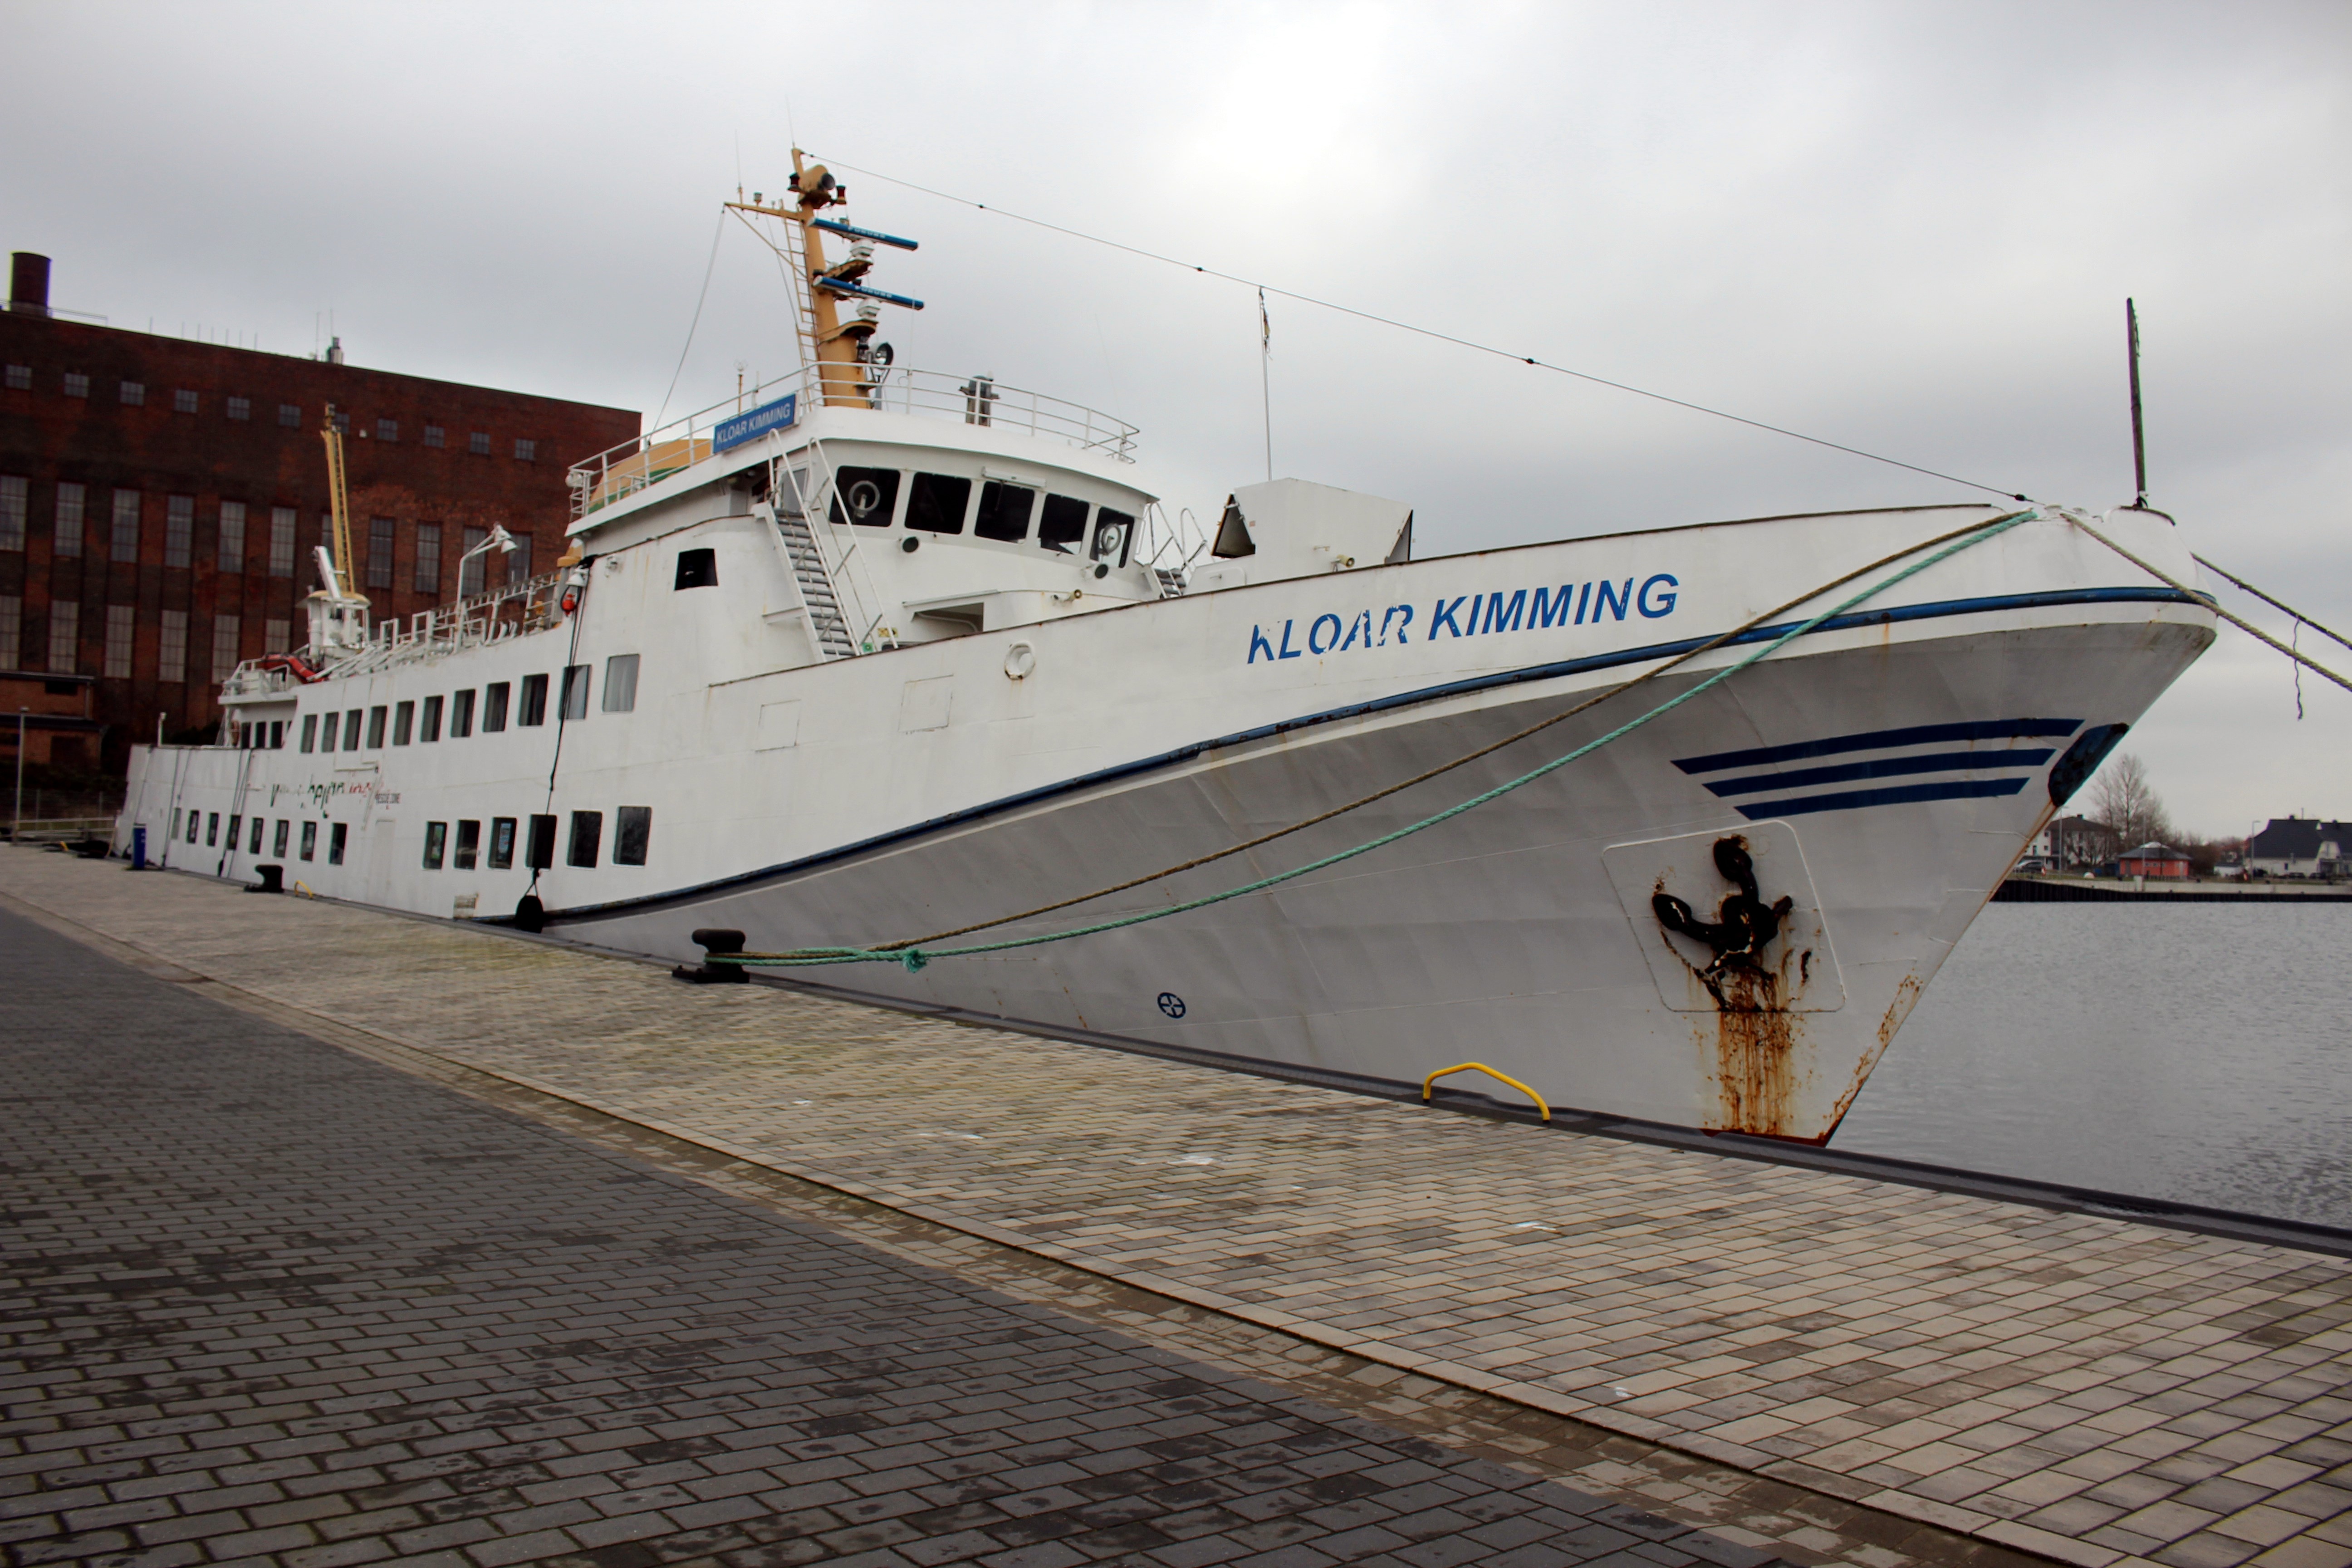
(1888, 767)
(1881, 739)
(1939, 609)
(1898, 794)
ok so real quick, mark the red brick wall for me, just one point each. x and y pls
(48, 437)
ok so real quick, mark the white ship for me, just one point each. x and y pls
(881, 655)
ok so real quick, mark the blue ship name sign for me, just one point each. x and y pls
(750, 427)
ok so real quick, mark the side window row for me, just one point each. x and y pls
(359, 728)
(338, 836)
(633, 836)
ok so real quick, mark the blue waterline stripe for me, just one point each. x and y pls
(1899, 794)
(1881, 739)
(1888, 767)
(1937, 610)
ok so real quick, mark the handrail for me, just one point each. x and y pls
(1490, 1072)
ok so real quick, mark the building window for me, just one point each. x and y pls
(179, 530)
(376, 716)
(576, 678)
(20, 378)
(432, 720)
(14, 491)
(621, 683)
(12, 630)
(502, 838)
(277, 635)
(429, 558)
(172, 649)
(478, 443)
(278, 839)
(630, 835)
(468, 846)
(121, 623)
(382, 533)
(290, 415)
(224, 647)
(310, 840)
(124, 539)
(77, 384)
(338, 836)
(525, 451)
(493, 705)
(232, 536)
(387, 429)
(70, 519)
(433, 438)
(461, 714)
(404, 723)
(309, 733)
(281, 541)
(65, 635)
(534, 700)
(183, 401)
(436, 839)
(519, 563)
(135, 394)
(587, 835)
(469, 573)
(241, 409)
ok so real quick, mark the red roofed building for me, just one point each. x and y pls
(2152, 860)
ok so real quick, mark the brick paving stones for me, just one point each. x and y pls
(2067, 1384)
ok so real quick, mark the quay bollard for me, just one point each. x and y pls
(714, 939)
(273, 880)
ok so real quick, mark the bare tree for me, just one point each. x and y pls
(2123, 800)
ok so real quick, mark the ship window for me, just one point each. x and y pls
(277, 734)
(404, 724)
(310, 841)
(351, 730)
(534, 701)
(936, 503)
(575, 690)
(1114, 533)
(540, 854)
(587, 835)
(254, 847)
(376, 717)
(621, 683)
(175, 825)
(1063, 523)
(502, 837)
(431, 730)
(235, 826)
(212, 830)
(631, 834)
(310, 731)
(697, 569)
(278, 839)
(866, 496)
(339, 837)
(494, 706)
(470, 845)
(1004, 511)
(194, 818)
(437, 840)
(461, 714)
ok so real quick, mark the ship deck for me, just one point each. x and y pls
(2067, 1384)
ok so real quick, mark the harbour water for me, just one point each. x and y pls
(2199, 1053)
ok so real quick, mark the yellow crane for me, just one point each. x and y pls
(338, 610)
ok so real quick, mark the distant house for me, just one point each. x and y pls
(2152, 859)
(2071, 843)
(2298, 846)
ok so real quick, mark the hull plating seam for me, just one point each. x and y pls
(1934, 611)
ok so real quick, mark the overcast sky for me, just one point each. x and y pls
(1906, 228)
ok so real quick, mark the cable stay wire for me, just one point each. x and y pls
(690, 327)
(2005, 492)
(2267, 599)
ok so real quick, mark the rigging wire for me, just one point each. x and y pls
(2002, 492)
(2267, 599)
(690, 326)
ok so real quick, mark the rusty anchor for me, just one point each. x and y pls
(1744, 923)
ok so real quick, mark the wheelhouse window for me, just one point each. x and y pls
(1004, 511)
(494, 706)
(1114, 536)
(936, 502)
(869, 497)
(431, 727)
(502, 840)
(469, 848)
(534, 700)
(587, 835)
(697, 569)
(1062, 525)
(461, 714)
(437, 840)
(631, 834)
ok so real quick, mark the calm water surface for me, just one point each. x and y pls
(2198, 1052)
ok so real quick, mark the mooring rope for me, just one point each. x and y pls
(2238, 621)
(914, 958)
(2265, 598)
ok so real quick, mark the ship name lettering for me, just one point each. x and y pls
(1475, 615)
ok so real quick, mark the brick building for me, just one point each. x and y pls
(161, 502)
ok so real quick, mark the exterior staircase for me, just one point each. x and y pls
(826, 622)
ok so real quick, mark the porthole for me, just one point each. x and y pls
(1019, 661)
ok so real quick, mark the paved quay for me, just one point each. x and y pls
(269, 1301)
(2069, 1384)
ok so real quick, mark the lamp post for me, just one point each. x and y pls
(16, 829)
(499, 540)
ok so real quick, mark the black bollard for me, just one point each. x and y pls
(714, 939)
(273, 880)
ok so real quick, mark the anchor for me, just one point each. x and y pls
(1744, 923)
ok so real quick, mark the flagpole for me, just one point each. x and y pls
(1265, 378)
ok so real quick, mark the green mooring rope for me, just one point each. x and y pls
(914, 958)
